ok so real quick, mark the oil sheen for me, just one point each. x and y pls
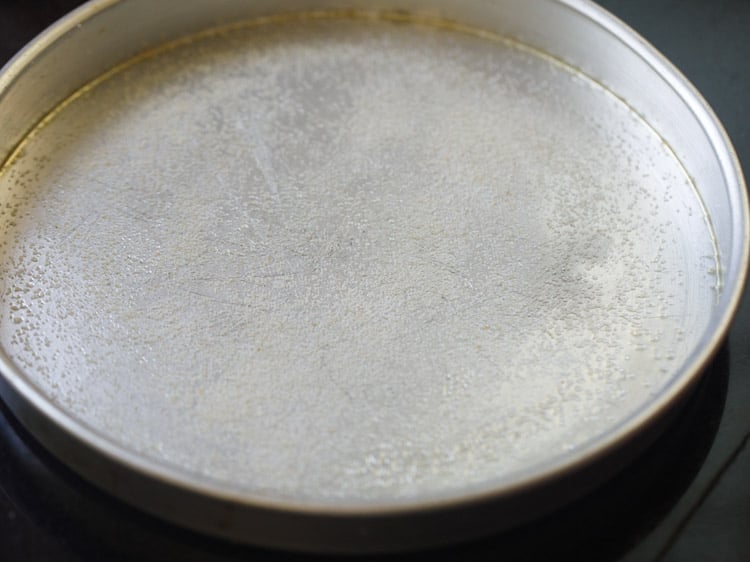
(338, 260)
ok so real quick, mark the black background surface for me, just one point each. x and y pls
(686, 498)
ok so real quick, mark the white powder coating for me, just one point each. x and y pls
(350, 261)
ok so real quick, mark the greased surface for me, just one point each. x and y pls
(350, 261)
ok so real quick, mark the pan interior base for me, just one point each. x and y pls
(350, 262)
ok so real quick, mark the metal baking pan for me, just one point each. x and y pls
(357, 276)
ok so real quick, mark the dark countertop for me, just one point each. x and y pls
(686, 498)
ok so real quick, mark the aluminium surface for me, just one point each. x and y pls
(353, 262)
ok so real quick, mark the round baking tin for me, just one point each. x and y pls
(387, 134)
